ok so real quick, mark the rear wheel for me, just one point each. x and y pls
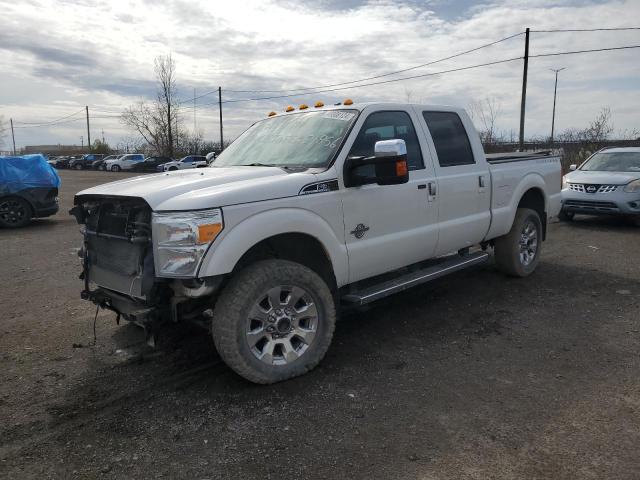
(78, 166)
(565, 216)
(517, 253)
(274, 321)
(14, 212)
(115, 168)
(172, 168)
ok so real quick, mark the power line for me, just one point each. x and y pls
(302, 89)
(50, 124)
(371, 83)
(586, 29)
(627, 47)
(385, 74)
(44, 122)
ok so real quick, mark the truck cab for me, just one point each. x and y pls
(306, 212)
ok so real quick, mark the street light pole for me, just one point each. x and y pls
(555, 89)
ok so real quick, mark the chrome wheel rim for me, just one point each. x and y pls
(528, 243)
(12, 211)
(282, 325)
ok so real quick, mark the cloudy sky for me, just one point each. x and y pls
(58, 56)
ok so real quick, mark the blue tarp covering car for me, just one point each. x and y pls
(28, 189)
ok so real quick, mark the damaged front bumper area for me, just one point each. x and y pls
(119, 264)
(117, 257)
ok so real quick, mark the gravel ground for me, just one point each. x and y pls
(472, 376)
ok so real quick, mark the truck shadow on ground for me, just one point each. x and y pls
(411, 350)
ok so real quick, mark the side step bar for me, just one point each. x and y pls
(384, 289)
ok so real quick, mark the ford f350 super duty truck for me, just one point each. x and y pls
(307, 211)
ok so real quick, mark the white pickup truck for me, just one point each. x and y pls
(306, 212)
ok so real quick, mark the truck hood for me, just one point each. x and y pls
(610, 178)
(206, 187)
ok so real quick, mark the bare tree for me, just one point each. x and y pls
(484, 114)
(157, 122)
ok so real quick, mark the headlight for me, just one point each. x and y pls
(632, 187)
(565, 184)
(181, 239)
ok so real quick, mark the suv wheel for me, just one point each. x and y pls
(565, 216)
(172, 168)
(115, 168)
(78, 166)
(14, 212)
(517, 253)
(274, 321)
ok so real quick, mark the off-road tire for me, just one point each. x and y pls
(564, 216)
(507, 247)
(232, 308)
(22, 212)
(115, 168)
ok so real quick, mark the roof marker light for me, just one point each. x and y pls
(271, 114)
(304, 106)
(289, 109)
(348, 101)
(319, 104)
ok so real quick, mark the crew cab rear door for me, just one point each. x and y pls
(463, 191)
(389, 226)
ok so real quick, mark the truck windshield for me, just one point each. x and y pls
(613, 162)
(308, 139)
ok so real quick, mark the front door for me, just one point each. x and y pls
(390, 226)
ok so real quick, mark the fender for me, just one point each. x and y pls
(225, 252)
(502, 217)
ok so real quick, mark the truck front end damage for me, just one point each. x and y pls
(118, 267)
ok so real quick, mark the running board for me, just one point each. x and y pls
(446, 266)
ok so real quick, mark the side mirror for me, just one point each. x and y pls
(387, 167)
(573, 167)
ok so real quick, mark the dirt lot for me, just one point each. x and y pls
(472, 376)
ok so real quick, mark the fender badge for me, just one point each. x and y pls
(360, 230)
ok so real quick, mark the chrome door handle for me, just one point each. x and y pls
(481, 182)
(432, 189)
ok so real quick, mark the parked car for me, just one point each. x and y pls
(28, 189)
(124, 162)
(607, 183)
(63, 161)
(98, 164)
(190, 161)
(85, 161)
(368, 200)
(151, 164)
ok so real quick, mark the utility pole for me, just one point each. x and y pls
(13, 137)
(194, 121)
(88, 132)
(220, 108)
(103, 135)
(555, 89)
(81, 142)
(524, 88)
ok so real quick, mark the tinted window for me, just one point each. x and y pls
(388, 126)
(450, 138)
(187, 159)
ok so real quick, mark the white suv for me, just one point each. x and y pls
(124, 162)
(190, 161)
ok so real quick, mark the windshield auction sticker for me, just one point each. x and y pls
(343, 115)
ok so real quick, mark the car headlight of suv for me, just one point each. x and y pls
(632, 187)
(181, 239)
(565, 184)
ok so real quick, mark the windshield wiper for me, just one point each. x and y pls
(258, 165)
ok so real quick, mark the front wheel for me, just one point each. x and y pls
(115, 168)
(171, 169)
(274, 321)
(517, 253)
(77, 166)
